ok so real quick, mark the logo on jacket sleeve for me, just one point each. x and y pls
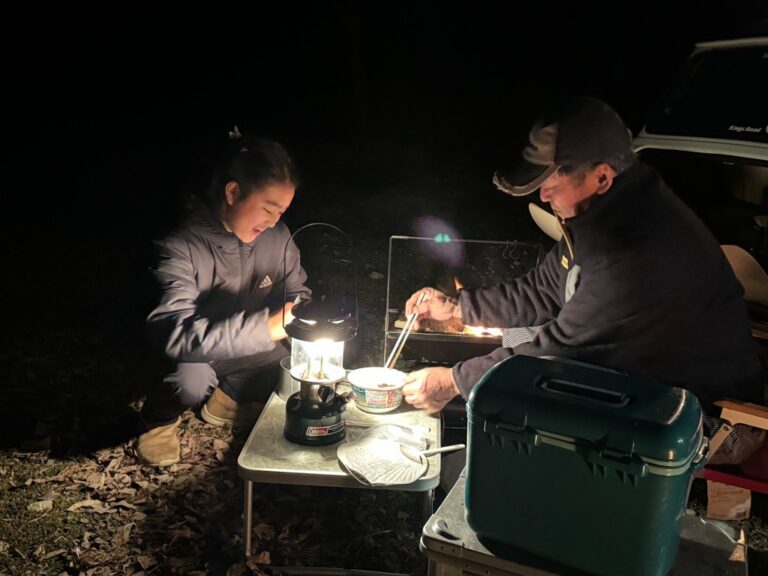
(564, 261)
(266, 283)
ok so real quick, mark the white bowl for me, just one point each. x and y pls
(377, 389)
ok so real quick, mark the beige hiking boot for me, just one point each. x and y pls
(221, 409)
(160, 446)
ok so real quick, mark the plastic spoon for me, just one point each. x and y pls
(416, 455)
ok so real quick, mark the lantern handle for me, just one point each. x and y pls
(352, 254)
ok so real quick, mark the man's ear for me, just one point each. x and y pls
(605, 175)
(231, 192)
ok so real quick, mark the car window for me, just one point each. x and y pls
(720, 94)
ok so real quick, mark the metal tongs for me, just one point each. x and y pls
(395, 354)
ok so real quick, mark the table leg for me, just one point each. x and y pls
(248, 518)
(428, 499)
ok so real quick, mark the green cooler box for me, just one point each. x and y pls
(581, 465)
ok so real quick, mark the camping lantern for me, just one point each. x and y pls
(318, 333)
(321, 325)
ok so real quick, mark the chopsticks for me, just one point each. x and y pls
(395, 354)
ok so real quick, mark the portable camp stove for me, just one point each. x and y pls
(313, 415)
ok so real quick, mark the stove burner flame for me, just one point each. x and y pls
(481, 331)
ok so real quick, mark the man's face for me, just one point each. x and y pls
(259, 211)
(567, 195)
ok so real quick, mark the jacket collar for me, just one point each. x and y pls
(206, 223)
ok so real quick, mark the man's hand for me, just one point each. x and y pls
(275, 322)
(436, 306)
(430, 389)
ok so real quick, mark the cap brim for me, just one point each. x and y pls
(523, 179)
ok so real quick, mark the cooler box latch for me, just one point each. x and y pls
(523, 435)
(620, 461)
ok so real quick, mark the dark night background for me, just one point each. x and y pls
(105, 118)
(393, 111)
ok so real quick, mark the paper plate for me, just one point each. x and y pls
(379, 462)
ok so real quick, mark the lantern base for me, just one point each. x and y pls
(312, 422)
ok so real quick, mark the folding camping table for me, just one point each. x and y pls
(268, 457)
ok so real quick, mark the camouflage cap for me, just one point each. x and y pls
(581, 130)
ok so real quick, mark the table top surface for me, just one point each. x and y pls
(269, 457)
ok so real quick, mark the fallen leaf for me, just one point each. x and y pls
(220, 444)
(113, 464)
(261, 559)
(108, 454)
(122, 535)
(41, 506)
(97, 558)
(146, 561)
(97, 506)
(53, 554)
(95, 480)
(51, 495)
(4, 547)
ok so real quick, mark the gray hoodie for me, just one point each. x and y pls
(217, 292)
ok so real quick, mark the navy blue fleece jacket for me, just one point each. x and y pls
(651, 294)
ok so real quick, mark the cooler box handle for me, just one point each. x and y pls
(584, 392)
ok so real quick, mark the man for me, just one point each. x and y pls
(637, 283)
